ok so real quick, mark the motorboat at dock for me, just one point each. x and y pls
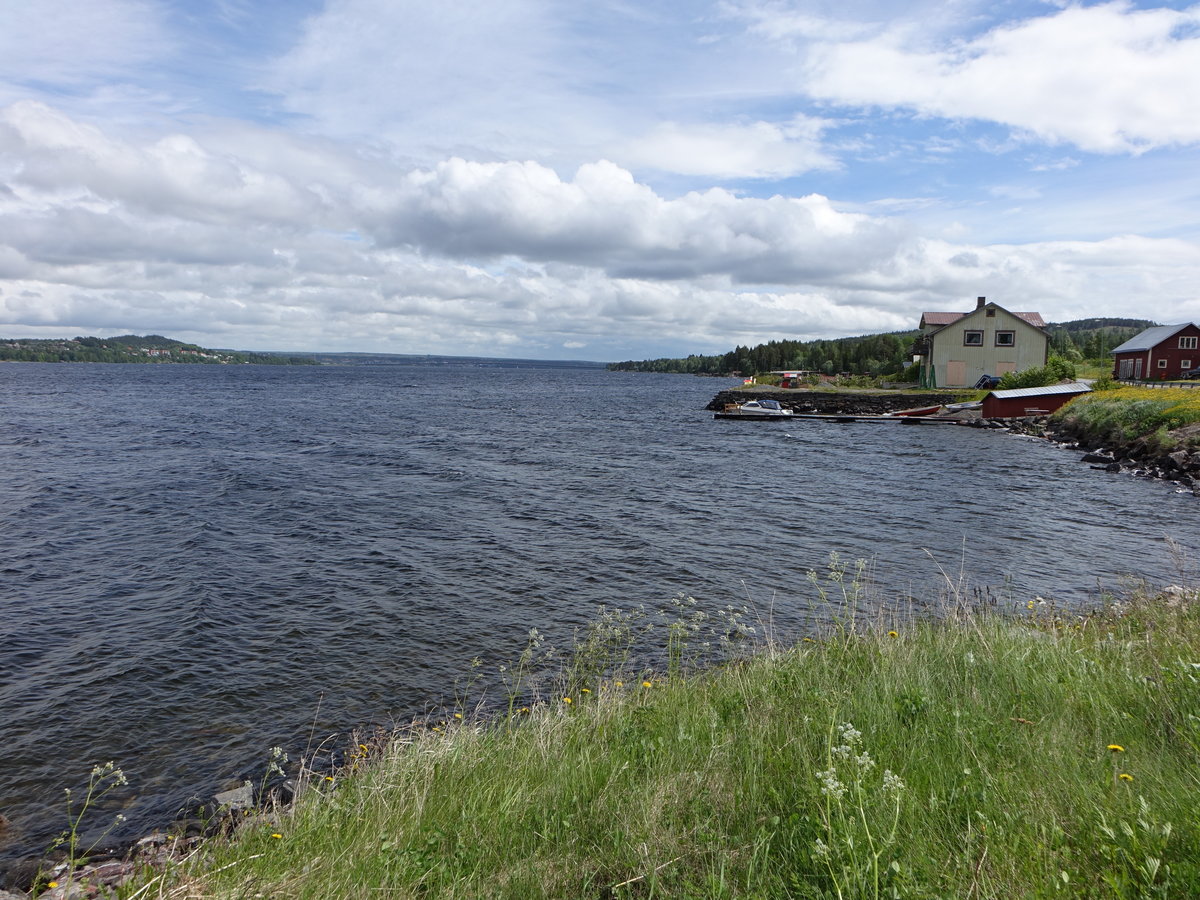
(754, 409)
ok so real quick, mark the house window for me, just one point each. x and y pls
(1185, 364)
(991, 313)
(1006, 338)
(972, 338)
(1188, 343)
(1162, 363)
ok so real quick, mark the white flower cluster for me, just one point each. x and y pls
(830, 786)
(892, 783)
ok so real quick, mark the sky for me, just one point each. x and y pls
(606, 180)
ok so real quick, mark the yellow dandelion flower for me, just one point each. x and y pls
(1116, 748)
(458, 715)
(523, 709)
(277, 836)
(620, 684)
(585, 690)
(52, 884)
(567, 700)
(1029, 605)
(1125, 776)
(647, 684)
(329, 778)
(893, 634)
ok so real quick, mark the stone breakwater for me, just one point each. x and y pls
(844, 403)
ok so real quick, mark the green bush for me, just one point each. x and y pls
(1056, 369)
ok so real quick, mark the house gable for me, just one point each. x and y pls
(960, 348)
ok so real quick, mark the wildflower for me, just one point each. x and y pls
(820, 850)
(277, 836)
(52, 884)
(830, 786)
(1125, 776)
(329, 778)
(1116, 748)
(893, 634)
(523, 709)
(849, 733)
(458, 715)
(1029, 605)
(585, 690)
(892, 783)
(620, 684)
(362, 747)
(568, 700)
(647, 684)
(865, 763)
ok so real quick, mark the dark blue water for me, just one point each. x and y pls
(197, 563)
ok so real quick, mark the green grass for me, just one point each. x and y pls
(1127, 414)
(966, 755)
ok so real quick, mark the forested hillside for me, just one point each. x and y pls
(131, 348)
(879, 354)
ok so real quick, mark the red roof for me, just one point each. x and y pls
(947, 318)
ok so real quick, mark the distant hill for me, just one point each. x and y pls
(133, 348)
(878, 354)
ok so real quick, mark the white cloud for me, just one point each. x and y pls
(1107, 78)
(256, 239)
(71, 44)
(752, 150)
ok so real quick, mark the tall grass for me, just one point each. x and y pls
(1130, 413)
(979, 755)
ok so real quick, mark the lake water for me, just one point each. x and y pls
(198, 563)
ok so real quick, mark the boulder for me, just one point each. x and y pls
(237, 799)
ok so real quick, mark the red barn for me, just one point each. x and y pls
(1162, 352)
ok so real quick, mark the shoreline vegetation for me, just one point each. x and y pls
(977, 747)
(133, 348)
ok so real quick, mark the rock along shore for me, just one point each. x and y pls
(841, 403)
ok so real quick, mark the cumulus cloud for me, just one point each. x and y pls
(294, 242)
(1107, 78)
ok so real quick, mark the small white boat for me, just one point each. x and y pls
(753, 409)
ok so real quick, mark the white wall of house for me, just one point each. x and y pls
(988, 341)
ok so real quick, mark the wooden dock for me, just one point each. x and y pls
(851, 418)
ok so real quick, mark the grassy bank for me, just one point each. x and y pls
(1163, 419)
(975, 755)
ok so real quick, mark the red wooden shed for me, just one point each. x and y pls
(1036, 401)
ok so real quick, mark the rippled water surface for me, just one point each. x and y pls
(197, 563)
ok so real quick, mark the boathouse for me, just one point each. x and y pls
(957, 349)
(1034, 401)
(1159, 353)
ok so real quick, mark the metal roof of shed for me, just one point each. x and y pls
(1149, 338)
(1074, 387)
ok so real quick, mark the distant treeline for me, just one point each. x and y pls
(878, 354)
(132, 348)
